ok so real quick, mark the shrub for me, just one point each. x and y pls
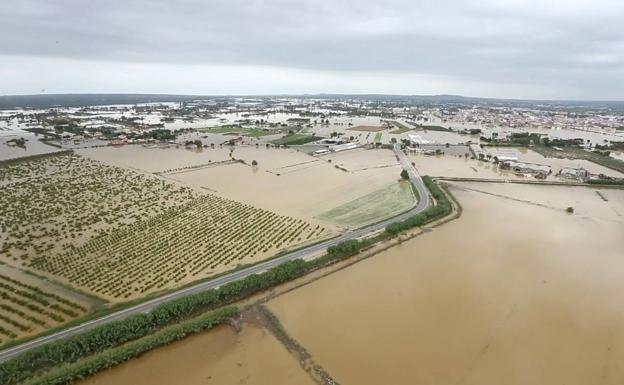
(66, 374)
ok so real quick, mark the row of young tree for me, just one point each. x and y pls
(116, 333)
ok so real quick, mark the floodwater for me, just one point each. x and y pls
(219, 356)
(32, 147)
(516, 291)
(461, 167)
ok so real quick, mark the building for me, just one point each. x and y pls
(504, 154)
(343, 147)
(538, 170)
(573, 173)
(416, 140)
(477, 151)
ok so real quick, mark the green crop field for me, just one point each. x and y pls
(401, 128)
(374, 207)
(243, 131)
(296, 139)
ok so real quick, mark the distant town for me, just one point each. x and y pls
(212, 230)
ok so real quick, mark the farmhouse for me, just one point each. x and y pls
(343, 147)
(573, 173)
(538, 170)
(504, 155)
(477, 151)
(416, 140)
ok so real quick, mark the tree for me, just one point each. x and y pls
(570, 210)
(404, 174)
(254, 163)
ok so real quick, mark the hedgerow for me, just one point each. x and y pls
(68, 373)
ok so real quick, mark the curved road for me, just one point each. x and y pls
(423, 204)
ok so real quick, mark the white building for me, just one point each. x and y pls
(343, 147)
(417, 140)
(538, 170)
(574, 173)
(504, 154)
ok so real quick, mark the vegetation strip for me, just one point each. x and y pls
(134, 327)
(296, 139)
(119, 332)
(13, 161)
(272, 323)
(68, 373)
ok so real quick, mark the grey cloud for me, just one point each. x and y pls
(563, 43)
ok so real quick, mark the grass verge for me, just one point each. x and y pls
(374, 207)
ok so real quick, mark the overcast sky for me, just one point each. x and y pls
(551, 49)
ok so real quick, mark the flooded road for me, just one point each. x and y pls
(516, 291)
(219, 356)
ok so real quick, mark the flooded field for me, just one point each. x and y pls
(452, 165)
(293, 183)
(30, 304)
(31, 147)
(526, 155)
(516, 291)
(154, 159)
(219, 356)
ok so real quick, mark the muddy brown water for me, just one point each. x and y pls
(219, 356)
(511, 293)
(516, 291)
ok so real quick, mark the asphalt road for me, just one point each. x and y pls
(422, 205)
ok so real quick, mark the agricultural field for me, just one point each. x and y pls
(53, 203)
(155, 159)
(243, 131)
(580, 154)
(374, 207)
(28, 307)
(400, 128)
(459, 166)
(208, 235)
(295, 184)
(296, 139)
(367, 128)
(121, 234)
